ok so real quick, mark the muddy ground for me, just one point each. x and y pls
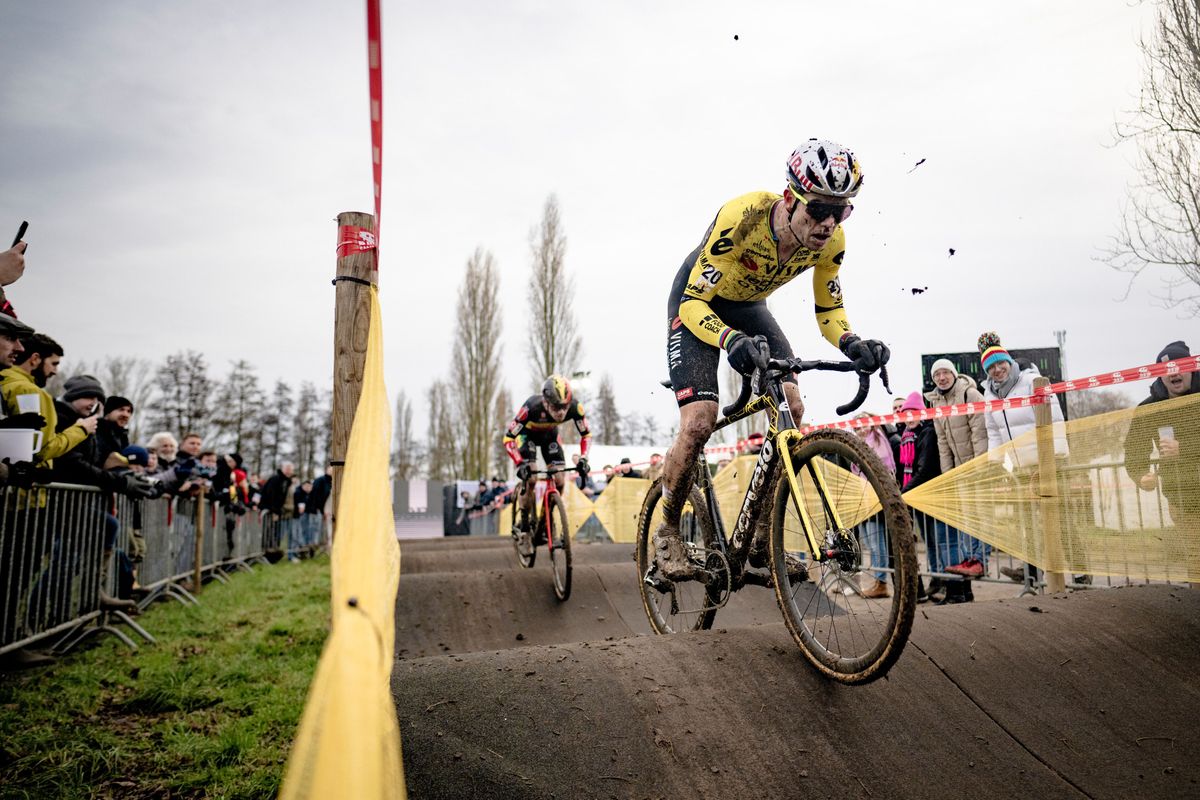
(502, 692)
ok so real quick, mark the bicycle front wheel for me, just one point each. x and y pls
(560, 548)
(848, 622)
(675, 606)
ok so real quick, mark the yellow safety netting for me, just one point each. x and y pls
(348, 744)
(619, 507)
(1091, 516)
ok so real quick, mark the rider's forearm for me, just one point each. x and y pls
(584, 444)
(833, 324)
(701, 320)
(514, 452)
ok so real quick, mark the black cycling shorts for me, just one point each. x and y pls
(692, 362)
(552, 454)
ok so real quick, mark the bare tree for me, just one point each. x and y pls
(306, 430)
(236, 407)
(1160, 229)
(445, 459)
(1090, 402)
(184, 394)
(554, 342)
(406, 454)
(129, 377)
(504, 414)
(607, 420)
(275, 423)
(475, 365)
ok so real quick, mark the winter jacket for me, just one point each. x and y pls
(83, 464)
(56, 439)
(1005, 425)
(927, 464)
(962, 437)
(110, 438)
(322, 487)
(1177, 476)
(276, 494)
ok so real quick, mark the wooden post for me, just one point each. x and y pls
(196, 571)
(1048, 488)
(351, 323)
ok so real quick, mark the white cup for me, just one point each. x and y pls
(19, 444)
(29, 403)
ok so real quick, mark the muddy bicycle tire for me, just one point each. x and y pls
(560, 550)
(695, 593)
(812, 608)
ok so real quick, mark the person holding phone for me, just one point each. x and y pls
(21, 391)
(12, 267)
(1175, 436)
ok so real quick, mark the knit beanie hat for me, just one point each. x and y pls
(1173, 351)
(81, 386)
(943, 363)
(990, 351)
(914, 402)
(115, 402)
(136, 454)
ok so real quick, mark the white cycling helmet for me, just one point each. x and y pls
(824, 167)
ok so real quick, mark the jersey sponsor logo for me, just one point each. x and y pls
(723, 245)
(748, 262)
(675, 323)
(835, 289)
(838, 258)
(523, 414)
(712, 323)
(674, 350)
(684, 394)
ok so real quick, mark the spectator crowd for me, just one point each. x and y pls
(84, 440)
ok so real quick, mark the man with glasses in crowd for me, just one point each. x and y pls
(757, 243)
(536, 427)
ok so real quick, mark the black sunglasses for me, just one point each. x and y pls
(821, 211)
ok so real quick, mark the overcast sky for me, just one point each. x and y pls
(181, 165)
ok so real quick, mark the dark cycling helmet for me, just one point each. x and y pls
(824, 167)
(556, 391)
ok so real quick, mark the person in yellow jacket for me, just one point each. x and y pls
(26, 378)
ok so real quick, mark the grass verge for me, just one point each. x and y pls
(209, 711)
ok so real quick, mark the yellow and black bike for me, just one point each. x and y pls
(813, 495)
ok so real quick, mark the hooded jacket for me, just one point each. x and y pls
(963, 437)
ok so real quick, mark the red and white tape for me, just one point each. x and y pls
(375, 81)
(1157, 370)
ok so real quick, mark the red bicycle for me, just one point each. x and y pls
(549, 527)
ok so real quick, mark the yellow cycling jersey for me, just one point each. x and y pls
(739, 262)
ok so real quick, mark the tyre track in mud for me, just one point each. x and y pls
(1092, 695)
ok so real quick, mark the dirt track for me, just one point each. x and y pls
(1093, 695)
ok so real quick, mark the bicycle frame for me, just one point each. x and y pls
(551, 487)
(782, 434)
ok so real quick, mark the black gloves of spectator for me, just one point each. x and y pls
(133, 486)
(582, 467)
(868, 355)
(747, 354)
(30, 419)
(524, 471)
(24, 474)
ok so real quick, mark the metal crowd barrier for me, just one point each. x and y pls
(51, 548)
(53, 561)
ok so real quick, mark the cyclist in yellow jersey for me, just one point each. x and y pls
(757, 243)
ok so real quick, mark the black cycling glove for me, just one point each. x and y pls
(582, 467)
(746, 354)
(868, 355)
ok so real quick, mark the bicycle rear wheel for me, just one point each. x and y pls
(560, 547)
(676, 606)
(850, 634)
